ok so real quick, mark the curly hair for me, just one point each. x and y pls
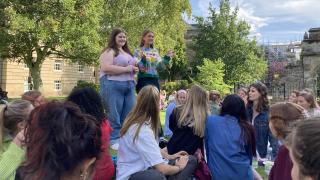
(89, 102)
(58, 138)
(263, 103)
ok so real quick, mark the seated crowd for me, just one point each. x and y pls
(207, 137)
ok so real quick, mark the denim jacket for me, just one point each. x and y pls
(261, 120)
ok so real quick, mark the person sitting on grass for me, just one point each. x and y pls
(13, 118)
(139, 156)
(283, 116)
(90, 103)
(61, 143)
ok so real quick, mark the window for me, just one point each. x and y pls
(80, 68)
(57, 65)
(25, 67)
(27, 85)
(57, 85)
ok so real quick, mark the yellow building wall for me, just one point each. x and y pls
(15, 77)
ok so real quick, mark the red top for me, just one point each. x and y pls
(281, 170)
(104, 165)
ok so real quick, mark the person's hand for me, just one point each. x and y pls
(171, 53)
(132, 69)
(19, 139)
(182, 162)
(142, 55)
(179, 154)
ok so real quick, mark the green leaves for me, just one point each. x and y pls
(223, 36)
(211, 75)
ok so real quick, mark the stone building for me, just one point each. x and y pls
(311, 59)
(58, 77)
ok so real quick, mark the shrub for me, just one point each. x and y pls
(82, 84)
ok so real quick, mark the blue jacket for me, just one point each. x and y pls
(228, 157)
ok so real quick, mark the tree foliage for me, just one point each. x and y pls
(77, 30)
(33, 30)
(163, 17)
(223, 36)
(211, 75)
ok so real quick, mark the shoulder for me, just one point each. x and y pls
(214, 119)
(107, 52)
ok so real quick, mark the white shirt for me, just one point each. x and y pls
(139, 155)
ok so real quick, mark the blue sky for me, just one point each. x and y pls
(274, 21)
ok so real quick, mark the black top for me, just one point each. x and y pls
(183, 138)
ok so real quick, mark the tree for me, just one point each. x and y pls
(77, 30)
(33, 30)
(223, 36)
(178, 67)
(211, 75)
(163, 17)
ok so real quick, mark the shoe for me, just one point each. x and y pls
(115, 146)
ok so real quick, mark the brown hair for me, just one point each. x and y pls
(296, 92)
(31, 96)
(305, 147)
(58, 138)
(309, 98)
(145, 32)
(195, 110)
(263, 103)
(245, 90)
(12, 114)
(146, 109)
(283, 116)
(112, 44)
(214, 95)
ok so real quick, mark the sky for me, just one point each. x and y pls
(271, 21)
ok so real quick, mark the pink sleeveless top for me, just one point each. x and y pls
(120, 60)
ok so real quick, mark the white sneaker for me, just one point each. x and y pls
(115, 146)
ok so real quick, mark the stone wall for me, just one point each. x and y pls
(311, 58)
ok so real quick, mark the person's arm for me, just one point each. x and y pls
(106, 60)
(166, 155)
(165, 61)
(167, 131)
(12, 158)
(166, 169)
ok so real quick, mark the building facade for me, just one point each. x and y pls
(58, 77)
(311, 59)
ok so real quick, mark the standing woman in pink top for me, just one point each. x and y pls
(117, 87)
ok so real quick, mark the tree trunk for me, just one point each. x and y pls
(35, 74)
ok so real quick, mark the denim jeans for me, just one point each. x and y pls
(263, 135)
(119, 99)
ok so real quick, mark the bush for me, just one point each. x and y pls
(83, 84)
(169, 87)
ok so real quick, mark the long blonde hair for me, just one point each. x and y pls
(146, 109)
(194, 112)
(12, 114)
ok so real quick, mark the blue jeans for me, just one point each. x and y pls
(119, 98)
(263, 135)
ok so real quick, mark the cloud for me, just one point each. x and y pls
(274, 19)
(203, 6)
